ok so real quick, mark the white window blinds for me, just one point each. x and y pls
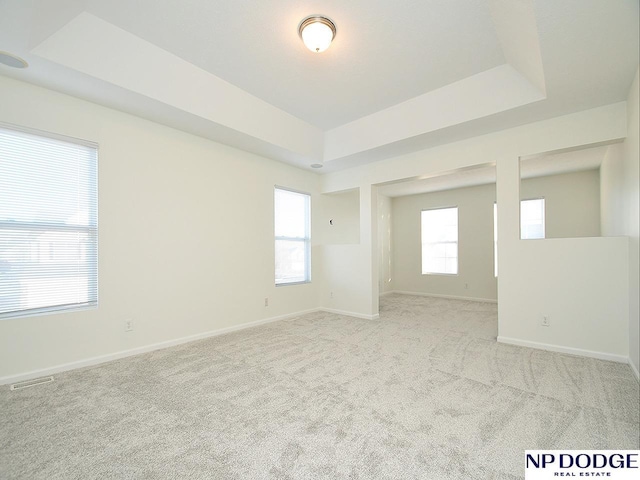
(292, 237)
(48, 224)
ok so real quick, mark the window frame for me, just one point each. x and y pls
(92, 231)
(306, 239)
(457, 242)
(495, 228)
(495, 239)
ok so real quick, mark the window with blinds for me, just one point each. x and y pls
(292, 237)
(48, 224)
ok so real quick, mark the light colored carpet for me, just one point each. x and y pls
(423, 393)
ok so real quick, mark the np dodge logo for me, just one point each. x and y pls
(611, 464)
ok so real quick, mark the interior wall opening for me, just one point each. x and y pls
(436, 235)
(568, 194)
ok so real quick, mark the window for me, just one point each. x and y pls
(48, 224)
(532, 219)
(293, 237)
(531, 224)
(495, 239)
(440, 241)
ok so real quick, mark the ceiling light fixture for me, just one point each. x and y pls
(316, 165)
(11, 60)
(317, 32)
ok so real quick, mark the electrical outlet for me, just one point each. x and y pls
(331, 295)
(466, 286)
(545, 321)
(128, 325)
(266, 301)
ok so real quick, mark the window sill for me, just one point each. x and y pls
(292, 283)
(48, 311)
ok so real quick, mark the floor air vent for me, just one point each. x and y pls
(31, 383)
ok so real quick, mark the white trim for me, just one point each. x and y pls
(54, 136)
(561, 349)
(635, 370)
(386, 293)
(452, 297)
(351, 314)
(88, 362)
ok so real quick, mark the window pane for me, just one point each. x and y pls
(532, 219)
(291, 262)
(440, 241)
(48, 224)
(451, 266)
(292, 237)
(495, 240)
(436, 250)
(451, 233)
(432, 265)
(291, 214)
(451, 250)
(46, 180)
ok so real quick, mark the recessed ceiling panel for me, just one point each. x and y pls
(384, 52)
(400, 77)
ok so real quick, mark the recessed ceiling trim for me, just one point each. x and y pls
(497, 90)
(99, 49)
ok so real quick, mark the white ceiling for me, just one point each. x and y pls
(400, 76)
(382, 54)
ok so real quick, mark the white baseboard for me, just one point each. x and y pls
(88, 362)
(561, 349)
(635, 370)
(351, 314)
(386, 293)
(452, 297)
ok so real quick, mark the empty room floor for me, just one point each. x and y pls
(423, 393)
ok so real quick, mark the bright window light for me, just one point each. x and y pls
(495, 240)
(532, 219)
(48, 224)
(292, 237)
(440, 241)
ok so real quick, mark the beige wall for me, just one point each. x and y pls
(612, 191)
(385, 245)
(185, 236)
(620, 199)
(572, 210)
(350, 270)
(341, 242)
(343, 210)
(572, 203)
(632, 227)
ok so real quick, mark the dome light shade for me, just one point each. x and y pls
(11, 60)
(317, 33)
